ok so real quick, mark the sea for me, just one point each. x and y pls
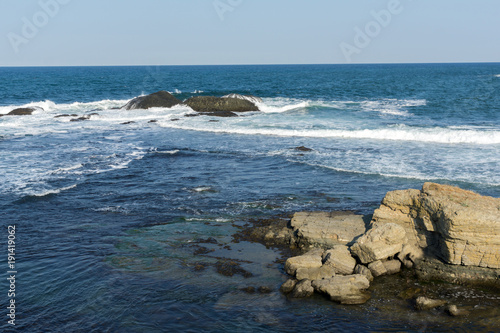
(110, 212)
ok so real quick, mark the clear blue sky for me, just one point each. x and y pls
(199, 32)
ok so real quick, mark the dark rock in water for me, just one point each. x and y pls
(249, 290)
(160, 99)
(230, 267)
(264, 290)
(220, 114)
(189, 115)
(250, 98)
(128, 123)
(215, 104)
(153, 121)
(66, 115)
(302, 148)
(85, 117)
(80, 119)
(22, 112)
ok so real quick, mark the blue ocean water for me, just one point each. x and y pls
(105, 212)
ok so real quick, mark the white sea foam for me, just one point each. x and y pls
(54, 191)
(498, 75)
(169, 152)
(67, 169)
(278, 105)
(400, 133)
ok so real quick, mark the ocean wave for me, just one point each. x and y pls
(66, 169)
(401, 133)
(50, 106)
(51, 192)
(279, 106)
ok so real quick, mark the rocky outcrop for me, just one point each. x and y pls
(326, 229)
(441, 232)
(22, 111)
(219, 104)
(160, 99)
(327, 272)
(458, 226)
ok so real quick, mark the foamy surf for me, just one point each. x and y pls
(51, 192)
(403, 133)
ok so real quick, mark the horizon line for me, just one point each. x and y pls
(290, 64)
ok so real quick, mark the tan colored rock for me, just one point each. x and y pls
(340, 259)
(344, 289)
(377, 268)
(380, 242)
(327, 229)
(312, 259)
(454, 311)
(392, 266)
(424, 303)
(303, 289)
(323, 272)
(288, 286)
(410, 254)
(363, 270)
(461, 227)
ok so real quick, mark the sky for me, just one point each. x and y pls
(225, 32)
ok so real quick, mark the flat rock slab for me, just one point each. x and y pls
(327, 229)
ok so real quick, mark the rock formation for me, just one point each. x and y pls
(160, 99)
(219, 104)
(442, 232)
(22, 111)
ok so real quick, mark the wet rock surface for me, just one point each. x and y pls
(160, 99)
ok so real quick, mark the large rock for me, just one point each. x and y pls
(323, 272)
(459, 226)
(160, 99)
(340, 259)
(380, 242)
(219, 104)
(312, 259)
(326, 229)
(344, 289)
(23, 111)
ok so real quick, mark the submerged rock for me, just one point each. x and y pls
(424, 303)
(160, 99)
(219, 104)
